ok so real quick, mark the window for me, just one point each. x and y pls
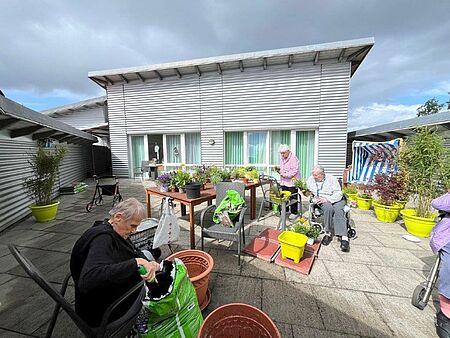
(173, 146)
(234, 148)
(138, 151)
(193, 148)
(261, 149)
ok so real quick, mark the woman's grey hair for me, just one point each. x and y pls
(284, 147)
(319, 169)
(129, 208)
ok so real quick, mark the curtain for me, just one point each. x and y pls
(305, 152)
(137, 146)
(234, 148)
(173, 146)
(193, 148)
(257, 147)
(278, 138)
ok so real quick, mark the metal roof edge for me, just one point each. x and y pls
(15, 110)
(76, 105)
(235, 57)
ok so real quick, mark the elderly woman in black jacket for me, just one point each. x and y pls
(104, 263)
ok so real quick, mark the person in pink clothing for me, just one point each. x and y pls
(289, 173)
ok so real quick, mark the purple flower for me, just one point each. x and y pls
(164, 178)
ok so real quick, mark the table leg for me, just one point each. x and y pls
(183, 209)
(149, 207)
(252, 202)
(192, 225)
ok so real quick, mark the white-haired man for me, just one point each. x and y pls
(328, 195)
(289, 173)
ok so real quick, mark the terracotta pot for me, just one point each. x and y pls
(238, 320)
(199, 264)
(245, 180)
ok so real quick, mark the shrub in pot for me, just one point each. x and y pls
(181, 178)
(39, 186)
(364, 197)
(351, 192)
(303, 227)
(424, 159)
(385, 188)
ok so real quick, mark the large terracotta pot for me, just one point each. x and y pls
(417, 226)
(238, 320)
(199, 264)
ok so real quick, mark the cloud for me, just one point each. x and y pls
(376, 114)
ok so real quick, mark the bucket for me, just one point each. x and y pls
(238, 320)
(199, 264)
(292, 245)
(192, 190)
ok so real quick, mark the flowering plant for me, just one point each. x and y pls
(364, 191)
(164, 179)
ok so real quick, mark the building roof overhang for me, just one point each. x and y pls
(353, 51)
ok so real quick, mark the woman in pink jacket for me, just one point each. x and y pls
(289, 172)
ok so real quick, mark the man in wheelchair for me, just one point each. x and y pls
(328, 197)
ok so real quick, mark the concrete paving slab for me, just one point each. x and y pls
(255, 267)
(390, 228)
(225, 261)
(11, 334)
(364, 238)
(329, 253)
(404, 319)
(360, 254)
(400, 258)
(70, 227)
(303, 331)
(64, 327)
(349, 312)
(290, 302)
(355, 277)
(19, 236)
(396, 241)
(3, 250)
(4, 277)
(318, 275)
(285, 329)
(399, 282)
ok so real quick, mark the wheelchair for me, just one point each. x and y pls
(315, 217)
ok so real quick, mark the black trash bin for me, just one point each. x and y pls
(192, 190)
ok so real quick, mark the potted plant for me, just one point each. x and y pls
(199, 177)
(386, 187)
(164, 181)
(216, 178)
(424, 159)
(40, 185)
(181, 178)
(364, 197)
(351, 192)
(303, 227)
(301, 185)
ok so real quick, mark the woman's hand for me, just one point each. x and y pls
(151, 268)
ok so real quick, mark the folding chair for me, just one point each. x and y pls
(117, 329)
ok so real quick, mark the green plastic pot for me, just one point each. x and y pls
(44, 213)
(364, 203)
(386, 213)
(417, 226)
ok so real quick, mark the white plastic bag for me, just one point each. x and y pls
(168, 230)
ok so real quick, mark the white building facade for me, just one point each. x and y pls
(234, 110)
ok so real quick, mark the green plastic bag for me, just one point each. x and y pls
(177, 314)
(232, 204)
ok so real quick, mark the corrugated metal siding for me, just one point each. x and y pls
(333, 117)
(84, 119)
(75, 164)
(14, 168)
(211, 119)
(300, 97)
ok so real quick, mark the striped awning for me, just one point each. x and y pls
(370, 158)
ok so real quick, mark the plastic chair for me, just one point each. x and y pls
(140, 171)
(119, 328)
(218, 231)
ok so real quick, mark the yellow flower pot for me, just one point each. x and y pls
(292, 245)
(364, 203)
(44, 213)
(417, 226)
(351, 197)
(386, 213)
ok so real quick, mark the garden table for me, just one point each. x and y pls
(206, 195)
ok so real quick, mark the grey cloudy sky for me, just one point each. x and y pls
(48, 47)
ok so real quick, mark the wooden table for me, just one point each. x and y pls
(206, 195)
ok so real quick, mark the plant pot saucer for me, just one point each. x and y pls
(206, 301)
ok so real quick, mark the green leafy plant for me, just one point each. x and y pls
(350, 189)
(216, 178)
(424, 159)
(44, 166)
(181, 178)
(364, 191)
(301, 185)
(305, 229)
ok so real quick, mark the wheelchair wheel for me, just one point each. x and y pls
(351, 233)
(317, 227)
(417, 297)
(99, 201)
(89, 206)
